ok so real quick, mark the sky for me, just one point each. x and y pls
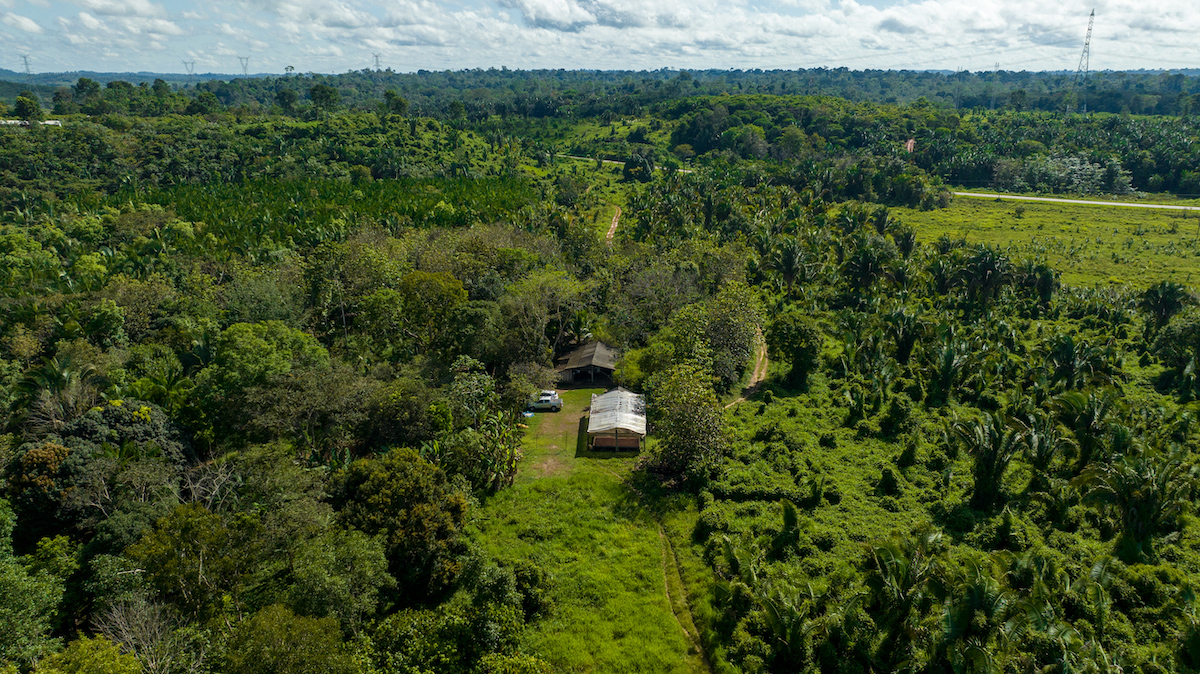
(335, 36)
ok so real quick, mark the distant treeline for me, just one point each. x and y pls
(478, 93)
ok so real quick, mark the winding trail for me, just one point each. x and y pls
(613, 229)
(980, 195)
(761, 364)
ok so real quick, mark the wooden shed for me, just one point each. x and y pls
(617, 421)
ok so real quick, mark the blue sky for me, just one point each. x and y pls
(334, 36)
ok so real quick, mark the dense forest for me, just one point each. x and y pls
(589, 92)
(265, 357)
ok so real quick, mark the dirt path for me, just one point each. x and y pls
(683, 615)
(761, 364)
(680, 607)
(613, 229)
(1076, 201)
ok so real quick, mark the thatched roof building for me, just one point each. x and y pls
(592, 359)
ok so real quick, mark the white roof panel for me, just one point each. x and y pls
(617, 409)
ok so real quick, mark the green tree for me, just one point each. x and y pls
(206, 103)
(277, 641)
(286, 99)
(194, 558)
(90, 656)
(539, 308)
(27, 107)
(408, 501)
(28, 601)
(429, 299)
(250, 356)
(395, 103)
(339, 574)
(325, 97)
(472, 392)
(689, 423)
(796, 338)
(1163, 300)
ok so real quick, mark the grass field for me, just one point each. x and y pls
(1090, 245)
(574, 513)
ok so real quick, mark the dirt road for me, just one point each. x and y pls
(1014, 197)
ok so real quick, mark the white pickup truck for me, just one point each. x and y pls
(546, 400)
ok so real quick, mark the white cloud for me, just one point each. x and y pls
(122, 7)
(90, 22)
(22, 23)
(334, 35)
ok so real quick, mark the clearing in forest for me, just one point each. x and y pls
(1090, 245)
(618, 592)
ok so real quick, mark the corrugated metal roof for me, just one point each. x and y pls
(594, 353)
(617, 409)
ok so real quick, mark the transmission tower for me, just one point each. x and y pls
(995, 81)
(190, 67)
(28, 72)
(377, 66)
(1081, 73)
(245, 60)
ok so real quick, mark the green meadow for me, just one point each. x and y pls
(1090, 245)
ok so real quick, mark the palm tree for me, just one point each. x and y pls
(788, 259)
(1088, 418)
(1040, 278)
(992, 442)
(868, 263)
(985, 273)
(1164, 300)
(974, 620)
(907, 327)
(944, 274)
(906, 579)
(1149, 493)
(1076, 363)
(948, 358)
(1045, 442)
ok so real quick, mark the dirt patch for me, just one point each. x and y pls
(549, 466)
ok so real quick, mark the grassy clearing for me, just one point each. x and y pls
(1091, 245)
(572, 513)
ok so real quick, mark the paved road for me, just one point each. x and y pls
(1076, 201)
